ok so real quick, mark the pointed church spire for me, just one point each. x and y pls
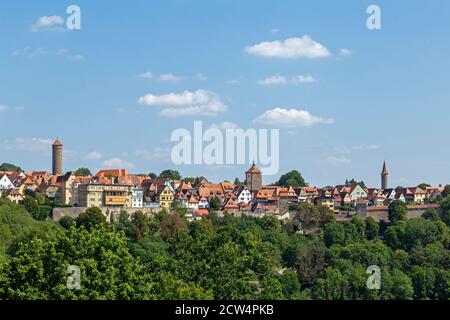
(384, 168)
(384, 177)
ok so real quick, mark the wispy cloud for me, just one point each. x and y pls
(233, 81)
(343, 52)
(302, 47)
(153, 154)
(350, 149)
(39, 51)
(187, 103)
(145, 75)
(275, 30)
(48, 23)
(29, 144)
(277, 79)
(338, 161)
(118, 163)
(224, 125)
(170, 77)
(201, 77)
(290, 118)
(93, 156)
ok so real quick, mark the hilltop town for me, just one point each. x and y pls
(116, 190)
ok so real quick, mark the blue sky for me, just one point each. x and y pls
(387, 92)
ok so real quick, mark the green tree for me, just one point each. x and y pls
(152, 175)
(424, 186)
(66, 222)
(290, 284)
(271, 288)
(140, 224)
(334, 233)
(30, 204)
(431, 214)
(83, 172)
(170, 174)
(9, 167)
(445, 206)
(291, 179)
(170, 226)
(372, 228)
(396, 285)
(397, 211)
(90, 218)
(446, 191)
(214, 204)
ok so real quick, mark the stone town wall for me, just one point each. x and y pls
(110, 213)
(381, 213)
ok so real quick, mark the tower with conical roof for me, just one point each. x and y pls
(384, 177)
(253, 178)
(57, 150)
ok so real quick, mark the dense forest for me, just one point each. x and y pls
(167, 257)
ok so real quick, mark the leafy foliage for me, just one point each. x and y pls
(83, 172)
(166, 257)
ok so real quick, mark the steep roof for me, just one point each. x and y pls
(253, 169)
(57, 142)
(385, 171)
(112, 172)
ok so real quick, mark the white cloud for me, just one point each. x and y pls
(303, 79)
(154, 154)
(33, 52)
(77, 57)
(281, 80)
(94, 156)
(290, 118)
(169, 77)
(48, 23)
(4, 108)
(118, 163)
(30, 52)
(233, 81)
(145, 75)
(201, 77)
(355, 148)
(275, 30)
(224, 125)
(120, 110)
(337, 161)
(29, 144)
(187, 103)
(303, 47)
(343, 52)
(273, 80)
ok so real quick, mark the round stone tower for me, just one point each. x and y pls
(57, 150)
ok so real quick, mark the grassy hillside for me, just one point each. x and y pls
(16, 223)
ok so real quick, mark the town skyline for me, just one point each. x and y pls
(57, 159)
(345, 100)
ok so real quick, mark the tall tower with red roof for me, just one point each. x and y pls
(253, 178)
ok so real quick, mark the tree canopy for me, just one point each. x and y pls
(83, 172)
(291, 179)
